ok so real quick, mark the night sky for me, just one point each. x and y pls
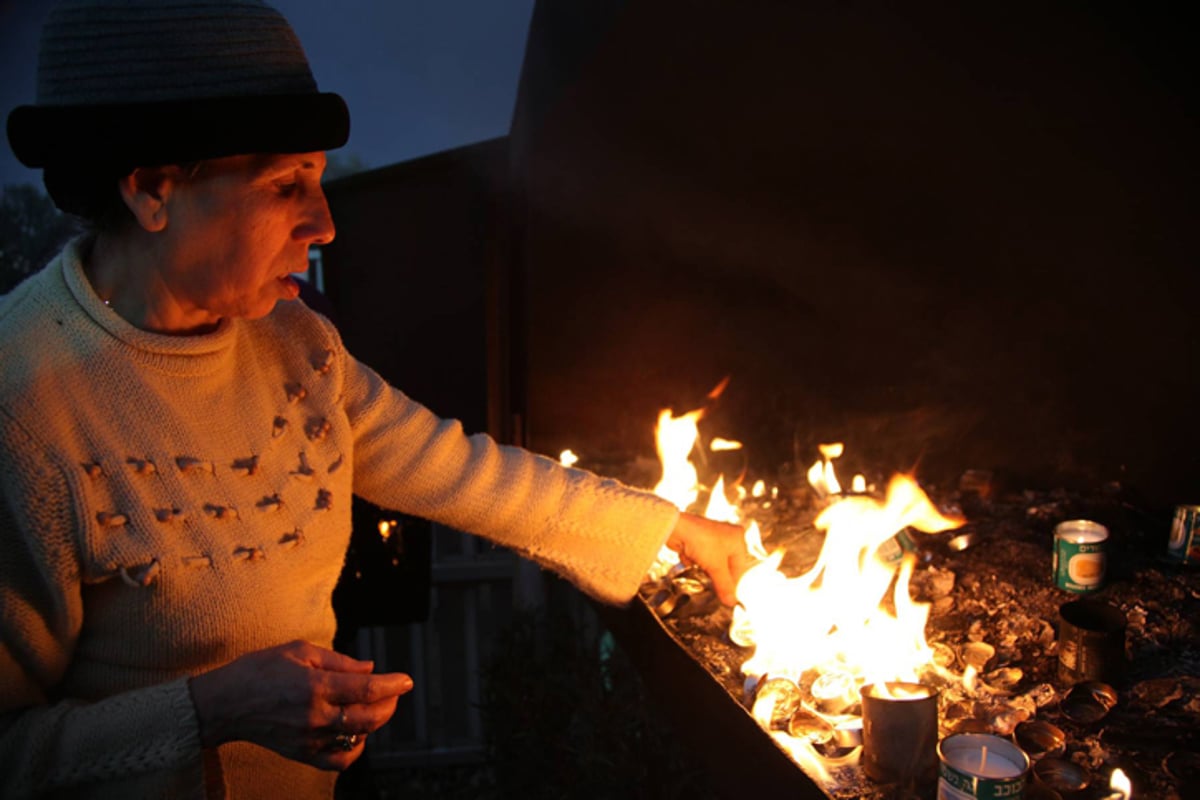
(419, 76)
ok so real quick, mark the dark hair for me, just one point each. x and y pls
(90, 192)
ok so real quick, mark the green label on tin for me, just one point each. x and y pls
(1079, 566)
(955, 785)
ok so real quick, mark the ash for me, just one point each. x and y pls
(995, 604)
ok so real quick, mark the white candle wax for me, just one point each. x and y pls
(973, 762)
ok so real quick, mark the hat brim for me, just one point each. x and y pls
(152, 134)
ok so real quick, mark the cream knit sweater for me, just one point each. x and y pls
(170, 503)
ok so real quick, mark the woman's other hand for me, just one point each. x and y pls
(304, 702)
(716, 547)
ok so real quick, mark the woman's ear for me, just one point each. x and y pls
(146, 191)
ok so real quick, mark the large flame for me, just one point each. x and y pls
(835, 616)
(850, 618)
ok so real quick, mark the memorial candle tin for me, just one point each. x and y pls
(1080, 557)
(1184, 544)
(979, 766)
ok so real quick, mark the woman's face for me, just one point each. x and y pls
(241, 227)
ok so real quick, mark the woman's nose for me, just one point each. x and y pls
(317, 227)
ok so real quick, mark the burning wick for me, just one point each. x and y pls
(568, 458)
(1121, 785)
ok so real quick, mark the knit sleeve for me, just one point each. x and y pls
(50, 742)
(596, 532)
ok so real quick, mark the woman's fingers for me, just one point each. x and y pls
(322, 658)
(364, 717)
(346, 688)
(719, 548)
(302, 701)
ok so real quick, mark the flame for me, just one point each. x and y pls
(831, 451)
(1121, 785)
(568, 458)
(675, 438)
(833, 618)
(719, 507)
(754, 545)
(899, 691)
(719, 389)
(386, 526)
(850, 618)
(970, 679)
(719, 445)
(821, 475)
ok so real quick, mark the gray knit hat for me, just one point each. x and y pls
(129, 83)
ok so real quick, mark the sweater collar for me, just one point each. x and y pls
(155, 344)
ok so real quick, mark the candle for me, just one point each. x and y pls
(1079, 555)
(899, 732)
(980, 765)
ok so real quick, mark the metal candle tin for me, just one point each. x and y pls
(900, 728)
(979, 766)
(1184, 544)
(1091, 642)
(1080, 556)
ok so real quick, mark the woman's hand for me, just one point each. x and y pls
(716, 547)
(304, 702)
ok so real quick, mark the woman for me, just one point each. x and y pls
(181, 440)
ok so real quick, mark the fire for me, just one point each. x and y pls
(1120, 784)
(719, 507)
(675, 438)
(847, 622)
(568, 458)
(821, 474)
(833, 617)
